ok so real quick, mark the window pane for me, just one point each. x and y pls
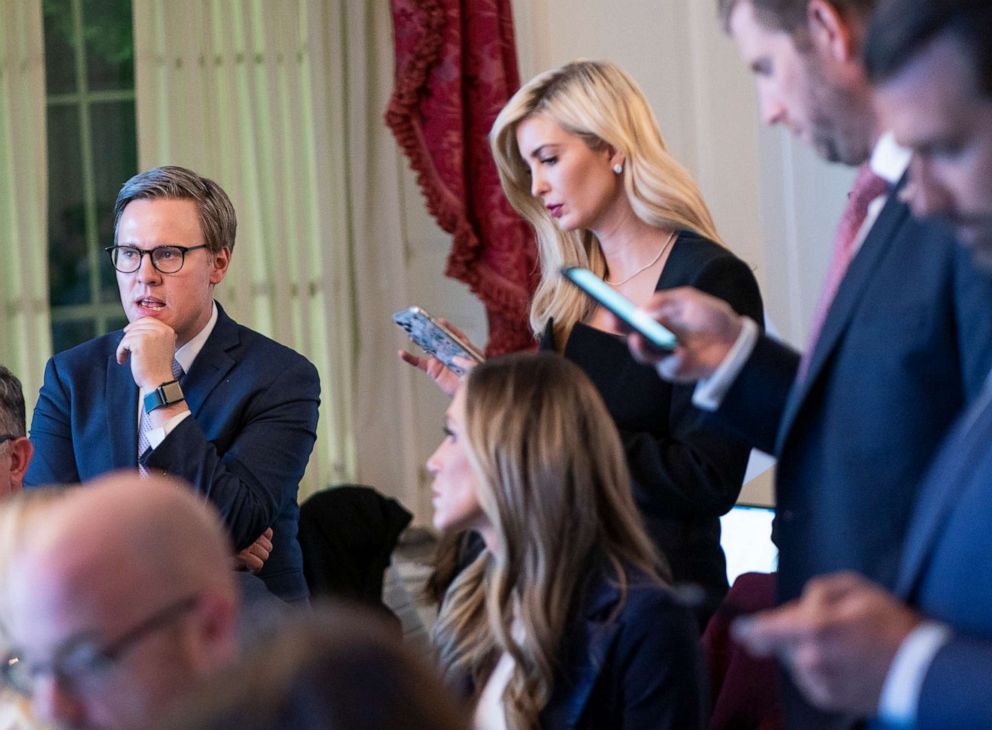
(83, 182)
(70, 333)
(68, 266)
(60, 53)
(109, 44)
(115, 159)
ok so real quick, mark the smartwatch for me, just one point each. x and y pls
(164, 395)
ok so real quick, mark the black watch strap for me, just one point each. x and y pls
(164, 395)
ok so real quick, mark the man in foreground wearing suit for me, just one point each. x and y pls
(921, 657)
(184, 389)
(903, 317)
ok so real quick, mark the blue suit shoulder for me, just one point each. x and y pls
(88, 353)
(250, 347)
(628, 665)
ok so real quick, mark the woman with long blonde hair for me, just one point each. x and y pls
(563, 620)
(581, 158)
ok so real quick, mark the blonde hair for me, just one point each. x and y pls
(600, 103)
(549, 463)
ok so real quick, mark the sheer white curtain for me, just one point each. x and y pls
(25, 333)
(281, 103)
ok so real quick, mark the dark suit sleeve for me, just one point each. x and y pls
(697, 468)
(955, 691)
(54, 460)
(659, 667)
(262, 463)
(754, 403)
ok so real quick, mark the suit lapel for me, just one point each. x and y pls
(853, 288)
(952, 472)
(600, 638)
(597, 637)
(122, 414)
(212, 363)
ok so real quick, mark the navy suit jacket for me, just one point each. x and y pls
(946, 574)
(906, 344)
(245, 446)
(639, 667)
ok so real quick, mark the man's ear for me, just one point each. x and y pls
(21, 451)
(831, 32)
(213, 640)
(221, 260)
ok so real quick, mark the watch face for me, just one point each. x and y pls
(171, 393)
(164, 395)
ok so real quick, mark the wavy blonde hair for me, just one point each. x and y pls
(548, 464)
(600, 103)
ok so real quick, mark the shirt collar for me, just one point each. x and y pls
(888, 160)
(186, 354)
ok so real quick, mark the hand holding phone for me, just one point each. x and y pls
(657, 336)
(436, 339)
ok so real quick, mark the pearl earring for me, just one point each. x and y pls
(618, 168)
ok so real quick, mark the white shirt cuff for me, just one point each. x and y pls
(710, 391)
(157, 435)
(900, 696)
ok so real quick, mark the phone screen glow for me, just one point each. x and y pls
(622, 307)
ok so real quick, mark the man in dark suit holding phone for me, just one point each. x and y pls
(920, 655)
(903, 334)
(184, 389)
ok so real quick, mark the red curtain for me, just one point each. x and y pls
(455, 69)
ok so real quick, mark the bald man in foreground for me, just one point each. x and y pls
(118, 603)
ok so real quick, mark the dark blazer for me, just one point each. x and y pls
(947, 575)
(640, 667)
(906, 344)
(687, 467)
(245, 447)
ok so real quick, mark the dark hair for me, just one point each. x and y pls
(12, 417)
(217, 217)
(901, 28)
(334, 667)
(790, 15)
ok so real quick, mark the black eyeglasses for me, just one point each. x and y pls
(83, 662)
(166, 259)
(5, 437)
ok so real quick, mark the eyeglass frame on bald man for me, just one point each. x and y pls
(84, 654)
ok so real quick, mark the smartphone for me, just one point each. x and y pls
(656, 335)
(435, 339)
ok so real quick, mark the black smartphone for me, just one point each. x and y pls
(657, 336)
(435, 339)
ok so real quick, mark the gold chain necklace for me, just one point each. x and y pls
(648, 265)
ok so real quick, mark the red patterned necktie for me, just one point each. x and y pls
(867, 187)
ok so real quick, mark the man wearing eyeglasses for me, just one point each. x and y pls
(117, 601)
(15, 449)
(184, 389)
